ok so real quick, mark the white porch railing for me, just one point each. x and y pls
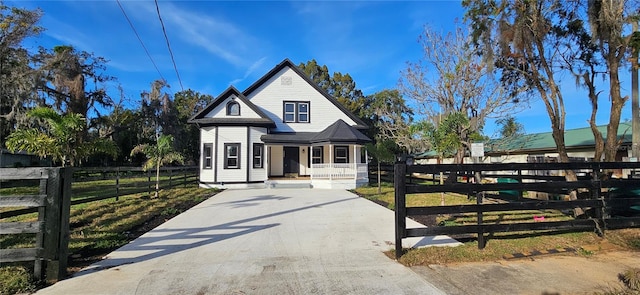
(339, 171)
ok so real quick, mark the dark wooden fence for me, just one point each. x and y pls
(52, 228)
(594, 188)
(53, 200)
(115, 188)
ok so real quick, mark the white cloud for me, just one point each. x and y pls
(256, 65)
(213, 34)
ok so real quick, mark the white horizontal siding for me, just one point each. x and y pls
(232, 134)
(257, 174)
(207, 136)
(271, 95)
(220, 111)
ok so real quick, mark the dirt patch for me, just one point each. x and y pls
(89, 255)
(564, 274)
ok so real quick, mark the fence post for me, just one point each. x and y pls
(596, 193)
(56, 236)
(185, 176)
(481, 240)
(117, 183)
(170, 174)
(149, 182)
(399, 183)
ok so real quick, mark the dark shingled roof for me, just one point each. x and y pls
(200, 118)
(338, 132)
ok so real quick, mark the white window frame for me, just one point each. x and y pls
(302, 113)
(292, 113)
(296, 113)
(228, 157)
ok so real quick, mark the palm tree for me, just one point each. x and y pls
(59, 139)
(157, 155)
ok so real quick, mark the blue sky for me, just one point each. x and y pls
(221, 43)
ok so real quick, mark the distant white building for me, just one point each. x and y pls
(540, 147)
(282, 130)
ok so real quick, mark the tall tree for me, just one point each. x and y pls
(525, 40)
(538, 40)
(608, 20)
(16, 83)
(341, 86)
(392, 120)
(187, 103)
(64, 74)
(510, 127)
(58, 138)
(158, 116)
(524, 53)
(452, 80)
(158, 155)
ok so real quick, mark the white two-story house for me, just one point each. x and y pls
(282, 130)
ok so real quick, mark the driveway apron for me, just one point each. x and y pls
(262, 241)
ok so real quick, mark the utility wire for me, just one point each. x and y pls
(168, 45)
(140, 39)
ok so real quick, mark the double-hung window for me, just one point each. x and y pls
(303, 112)
(296, 112)
(316, 155)
(231, 156)
(341, 154)
(258, 152)
(207, 156)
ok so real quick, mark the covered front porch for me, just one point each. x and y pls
(334, 158)
(323, 166)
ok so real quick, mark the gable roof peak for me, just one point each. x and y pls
(288, 63)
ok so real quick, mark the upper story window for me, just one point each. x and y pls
(233, 109)
(296, 112)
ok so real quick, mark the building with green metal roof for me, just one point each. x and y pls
(538, 147)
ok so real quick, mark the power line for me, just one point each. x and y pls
(168, 45)
(139, 39)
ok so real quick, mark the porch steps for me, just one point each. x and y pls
(288, 184)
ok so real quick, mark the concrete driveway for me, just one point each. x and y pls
(270, 241)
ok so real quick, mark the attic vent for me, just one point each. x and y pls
(286, 80)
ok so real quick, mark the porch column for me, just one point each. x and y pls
(355, 162)
(330, 162)
(366, 157)
(267, 161)
(310, 159)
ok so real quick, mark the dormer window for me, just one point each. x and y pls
(233, 109)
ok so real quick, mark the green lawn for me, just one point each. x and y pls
(100, 227)
(498, 245)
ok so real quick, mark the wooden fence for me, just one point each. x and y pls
(594, 194)
(54, 199)
(172, 176)
(52, 228)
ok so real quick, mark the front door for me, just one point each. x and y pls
(291, 159)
